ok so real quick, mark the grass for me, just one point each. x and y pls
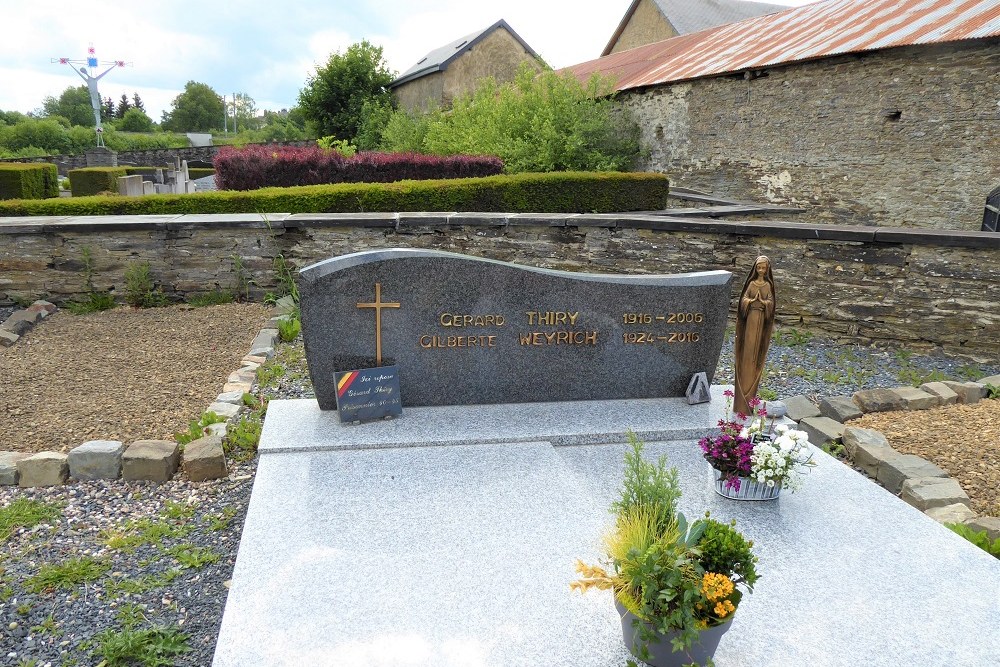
(196, 428)
(25, 513)
(138, 532)
(216, 298)
(792, 337)
(150, 647)
(93, 303)
(140, 585)
(66, 575)
(221, 521)
(190, 556)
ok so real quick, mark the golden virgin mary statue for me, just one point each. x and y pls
(754, 324)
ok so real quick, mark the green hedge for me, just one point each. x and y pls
(91, 180)
(556, 192)
(28, 181)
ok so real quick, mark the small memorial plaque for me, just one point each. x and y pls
(368, 394)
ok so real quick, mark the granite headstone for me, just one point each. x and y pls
(465, 330)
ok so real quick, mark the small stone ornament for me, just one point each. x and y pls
(698, 390)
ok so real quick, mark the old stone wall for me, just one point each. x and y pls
(156, 157)
(900, 137)
(646, 25)
(858, 284)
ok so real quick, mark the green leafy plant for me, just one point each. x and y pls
(242, 278)
(289, 328)
(140, 585)
(242, 438)
(48, 626)
(792, 337)
(992, 391)
(196, 427)
(140, 290)
(342, 146)
(24, 513)
(220, 521)
(151, 647)
(190, 556)
(970, 372)
(675, 578)
(67, 575)
(215, 298)
(94, 301)
(978, 537)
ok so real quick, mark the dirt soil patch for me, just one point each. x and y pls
(122, 374)
(963, 440)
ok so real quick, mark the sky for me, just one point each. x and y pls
(264, 48)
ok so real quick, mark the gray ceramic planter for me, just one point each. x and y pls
(661, 652)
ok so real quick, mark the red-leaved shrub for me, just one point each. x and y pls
(259, 166)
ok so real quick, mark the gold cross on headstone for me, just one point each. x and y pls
(378, 305)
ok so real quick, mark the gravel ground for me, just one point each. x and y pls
(963, 440)
(121, 374)
(166, 590)
(191, 599)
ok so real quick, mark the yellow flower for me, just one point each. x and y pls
(716, 586)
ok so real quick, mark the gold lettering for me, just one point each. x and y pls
(429, 342)
(562, 337)
(531, 316)
(590, 338)
(572, 317)
(446, 319)
(560, 318)
(491, 340)
(524, 338)
(538, 338)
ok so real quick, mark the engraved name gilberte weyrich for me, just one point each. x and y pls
(465, 330)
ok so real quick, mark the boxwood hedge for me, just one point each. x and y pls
(92, 180)
(28, 181)
(555, 192)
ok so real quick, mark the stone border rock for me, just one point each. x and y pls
(23, 320)
(914, 479)
(152, 460)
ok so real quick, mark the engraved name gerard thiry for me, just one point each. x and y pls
(542, 328)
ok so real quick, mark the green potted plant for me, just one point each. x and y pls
(676, 584)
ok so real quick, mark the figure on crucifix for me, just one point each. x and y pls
(87, 74)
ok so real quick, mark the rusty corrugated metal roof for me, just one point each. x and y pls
(824, 29)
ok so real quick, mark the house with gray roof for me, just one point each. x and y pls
(648, 21)
(454, 69)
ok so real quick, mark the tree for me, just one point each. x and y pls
(136, 120)
(244, 112)
(197, 109)
(332, 100)
(73, 103)
(137, 102)
(538, 122)
(123, 106)
(108, 109)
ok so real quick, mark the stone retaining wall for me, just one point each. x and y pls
(902, 137)
(856, 284)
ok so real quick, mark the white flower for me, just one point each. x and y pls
(781, 429)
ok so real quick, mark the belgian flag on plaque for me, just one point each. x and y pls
(368, 394)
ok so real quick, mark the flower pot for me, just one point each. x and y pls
(661, 652)
(750, 489)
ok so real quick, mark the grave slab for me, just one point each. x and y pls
(307, 428)
(463, 553)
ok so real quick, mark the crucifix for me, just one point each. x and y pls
(91, 81)
(378, 305)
